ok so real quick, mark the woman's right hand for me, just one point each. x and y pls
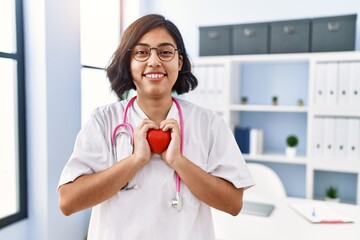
(142, 150)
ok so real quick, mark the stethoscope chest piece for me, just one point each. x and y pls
(177, 202)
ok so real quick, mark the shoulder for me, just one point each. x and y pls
(197, 113)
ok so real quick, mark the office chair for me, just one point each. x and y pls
(268, 187)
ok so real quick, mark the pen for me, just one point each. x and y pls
(313, 213)
(331, 221)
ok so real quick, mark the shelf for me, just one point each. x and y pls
(336, 111)
(268, 108)
(276, 158)
(336, 165)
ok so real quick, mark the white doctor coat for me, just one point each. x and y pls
(144, 211)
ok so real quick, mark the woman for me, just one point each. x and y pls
(134, 192)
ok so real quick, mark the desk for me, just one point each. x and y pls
(286, 224)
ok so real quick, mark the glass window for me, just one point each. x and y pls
(12, 107)
(7, 26)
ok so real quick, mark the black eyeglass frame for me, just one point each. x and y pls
(157, 51)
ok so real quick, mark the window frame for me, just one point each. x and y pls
(19, 57)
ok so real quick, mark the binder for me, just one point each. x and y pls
(355, 84)
(242, 136)
(318, 136)
(256, 141)
(320, 81)
(329, 136)
(344, 84)
(353, 149)
(331, 84)
(341, 131)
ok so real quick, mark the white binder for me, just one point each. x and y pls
(256, 141)
(344, 83)
(318, 137)
(341, 131)
(331, 84)
(329, 136)
(320, 81)
(353, 149)
(355, 84)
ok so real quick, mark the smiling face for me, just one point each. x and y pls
(154, 77)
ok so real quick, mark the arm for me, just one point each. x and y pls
(89, 190)
(214, 191)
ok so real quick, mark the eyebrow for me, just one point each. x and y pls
(161, 44)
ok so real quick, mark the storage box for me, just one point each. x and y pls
(215, 40)
(250, 38)
(333, 33)
(290, 36)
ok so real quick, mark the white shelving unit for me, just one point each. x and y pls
(223, 80)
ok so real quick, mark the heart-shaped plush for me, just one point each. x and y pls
(158, 140)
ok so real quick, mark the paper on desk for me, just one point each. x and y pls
(320, 213)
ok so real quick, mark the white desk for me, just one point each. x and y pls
(286, 224)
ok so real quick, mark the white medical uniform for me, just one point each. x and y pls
(144, 211)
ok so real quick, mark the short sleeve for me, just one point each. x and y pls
(91, 151)
(225, 159)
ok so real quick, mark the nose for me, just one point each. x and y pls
(154, 60)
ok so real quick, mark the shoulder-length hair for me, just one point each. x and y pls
(118, 71)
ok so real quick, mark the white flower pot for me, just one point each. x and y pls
(332, 199)
(290, 152)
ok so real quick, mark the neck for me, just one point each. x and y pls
(156, 109)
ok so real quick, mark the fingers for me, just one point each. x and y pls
(170, 124)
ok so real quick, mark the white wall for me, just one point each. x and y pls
(188, 15)
(52, 65)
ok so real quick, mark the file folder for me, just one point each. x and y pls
(341, 131)
(344, 83)
(331, 84)
(353, 151)
(355, 84)
(318, 136)
(329, 136)
(320, 81)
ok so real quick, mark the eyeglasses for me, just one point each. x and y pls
(142, 53)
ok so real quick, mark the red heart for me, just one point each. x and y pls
(158, 140)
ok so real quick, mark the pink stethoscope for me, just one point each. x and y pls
(177, 202)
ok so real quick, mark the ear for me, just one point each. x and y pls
(180, 62)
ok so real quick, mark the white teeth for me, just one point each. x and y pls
(154, 75)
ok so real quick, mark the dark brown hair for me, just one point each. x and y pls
(118, 70)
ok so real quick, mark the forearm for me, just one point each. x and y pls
(214, 191)
(90, 190)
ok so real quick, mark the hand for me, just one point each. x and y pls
(173, 152)
(142, 150)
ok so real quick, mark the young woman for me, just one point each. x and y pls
(137, 192)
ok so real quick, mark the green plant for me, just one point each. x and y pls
(332, 192)
(244, 100)
(292, 141)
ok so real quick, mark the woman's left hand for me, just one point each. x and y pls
(173, 152)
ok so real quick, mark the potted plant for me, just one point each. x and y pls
(274, 100)
(291, 144)
(244, 100)
(300, 102)
(332, 194)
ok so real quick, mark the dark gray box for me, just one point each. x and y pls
(215, 40)
(290, 36)
(333, 33)
(250, 38)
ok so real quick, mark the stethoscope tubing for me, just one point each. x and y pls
(127, 125)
